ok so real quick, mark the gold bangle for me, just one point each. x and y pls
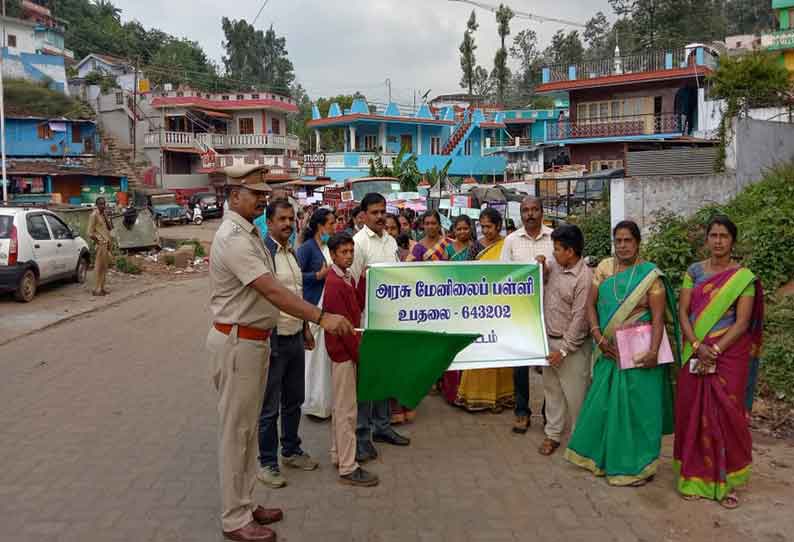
(695, 346)
(716, 347)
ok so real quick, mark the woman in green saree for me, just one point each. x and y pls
(619, 431)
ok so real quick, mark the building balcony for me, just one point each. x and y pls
(623, 69)
(617, 128)
(778, 41)
(274, 161)
(202, 141)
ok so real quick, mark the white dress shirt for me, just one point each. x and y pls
(520, 247)
(372, 248)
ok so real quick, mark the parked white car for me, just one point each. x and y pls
(37, 247)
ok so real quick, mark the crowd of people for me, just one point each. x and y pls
(293, 292)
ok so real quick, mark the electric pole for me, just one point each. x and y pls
(3, 114)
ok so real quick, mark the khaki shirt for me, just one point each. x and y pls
(237, 258)
(565, 304)
(370, 249)
(98, 227)
(290, 276)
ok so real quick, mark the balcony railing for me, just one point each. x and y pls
(355, 160)
(637, 125)
(271, 160)
(643, 62)
(221, 141)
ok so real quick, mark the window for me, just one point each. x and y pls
(435, 145)
(467, 148)
(43, 130)
(601, 165)
(370, 142)
(77, 135)
(245, 125)
(12, 40)
(37, 228)
(240, 97)
(59, 229)
(276, 124)
(254, 96)
(119, 98)
(180, 94)
(224, 97)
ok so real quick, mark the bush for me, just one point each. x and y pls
(777, 367)
(596, 228)
(169, 259)
(672, 245)
(125, 265)
(28, 98)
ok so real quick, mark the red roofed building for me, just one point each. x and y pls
(201, 133)
(649, 101)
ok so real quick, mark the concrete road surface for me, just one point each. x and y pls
(107, 433)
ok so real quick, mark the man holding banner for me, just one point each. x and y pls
(530, 244)
(374, 246)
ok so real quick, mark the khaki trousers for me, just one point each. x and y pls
(239, 373)
(344, 412)
(565, 388)
(101, 262)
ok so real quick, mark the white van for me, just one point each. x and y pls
(37, 247)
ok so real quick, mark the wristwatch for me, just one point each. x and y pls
(563, 353)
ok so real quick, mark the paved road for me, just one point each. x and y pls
(108, 434)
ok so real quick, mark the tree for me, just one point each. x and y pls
(565, 48)
(105, 8)
(468, 60)
(597, 36)
(297, 123)
(483, 84)
(501, 73)
(754, 80)
(256, 56)
(183, 62)
(525, 51)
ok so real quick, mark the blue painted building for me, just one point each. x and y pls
(433, 137)
(53, 160)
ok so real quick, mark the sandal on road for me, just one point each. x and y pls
(731, 501)
(691, 497)
(548, 446)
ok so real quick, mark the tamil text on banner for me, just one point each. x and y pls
(501, 302)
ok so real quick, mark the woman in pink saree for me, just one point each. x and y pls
(721, 311)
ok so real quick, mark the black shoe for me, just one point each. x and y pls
(365, 451)
(360, 478)
(392, 437)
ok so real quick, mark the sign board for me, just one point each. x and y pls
(332, 194)
(347, 195)
(502, 302)
(314, 164)
(460, 200)
(144, 86)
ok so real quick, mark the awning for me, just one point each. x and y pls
(214, 114)
(187, 150)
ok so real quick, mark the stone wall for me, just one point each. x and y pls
(757, 146)
(639, 198)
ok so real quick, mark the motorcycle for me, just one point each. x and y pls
(195, 215)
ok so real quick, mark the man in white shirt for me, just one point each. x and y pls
(532, 243)
(373, 245)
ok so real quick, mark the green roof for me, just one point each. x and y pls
(780, 4)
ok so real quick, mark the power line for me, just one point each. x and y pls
(260, 12)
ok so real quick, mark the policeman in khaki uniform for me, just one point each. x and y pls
(245, 300)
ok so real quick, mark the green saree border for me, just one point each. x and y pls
(709, 489)
(614, 480)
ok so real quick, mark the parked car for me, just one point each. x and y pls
(208, 201)
(163, 206)
(37, 247)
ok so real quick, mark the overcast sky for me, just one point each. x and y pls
(340, 46)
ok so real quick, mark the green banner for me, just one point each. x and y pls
(501, 302)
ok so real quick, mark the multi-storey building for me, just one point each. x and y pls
(433, 138)
(649, 101)
(782, 40)
(198, 133)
